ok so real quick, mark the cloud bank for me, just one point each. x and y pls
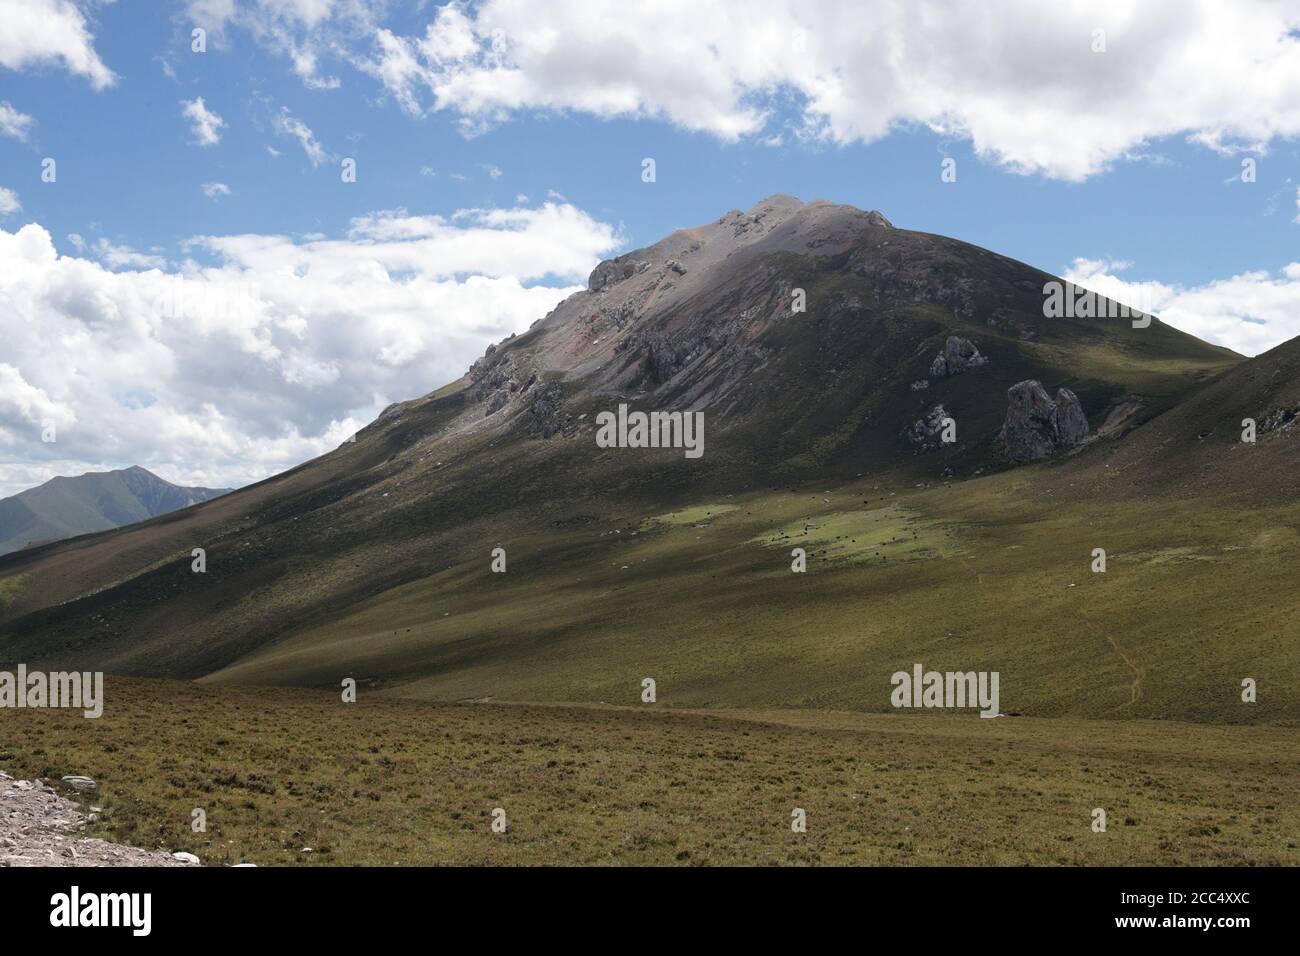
(1063, 94)
(221, 374)
(1248, 313)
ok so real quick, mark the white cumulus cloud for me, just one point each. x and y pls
(272, 350)
(13, 123)
(299, 30)
(286, 124)
(50, 32)
(1023, 85)
(118, 256)
(206, 124)
(1248, 313)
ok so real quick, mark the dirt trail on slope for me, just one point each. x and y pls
(1135, 690)
(39, 827)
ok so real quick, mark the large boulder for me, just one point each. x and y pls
(1038, 425)
(1071, 422)
(957, 356)
(79, 784)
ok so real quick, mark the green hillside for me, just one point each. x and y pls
(97, 501)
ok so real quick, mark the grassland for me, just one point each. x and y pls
(387, 781)
(993, 574)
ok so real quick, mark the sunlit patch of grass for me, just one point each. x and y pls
(1167, 555)
(9, 589)
(875, 534)
(699, 514)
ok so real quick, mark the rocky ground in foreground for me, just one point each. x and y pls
(40, 827)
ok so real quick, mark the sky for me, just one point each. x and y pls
(223, 252)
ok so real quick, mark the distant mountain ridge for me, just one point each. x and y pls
(97, 501)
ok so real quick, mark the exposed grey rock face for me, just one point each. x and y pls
(545, 416)
(613, 271)
(498, 378)
(606, 274)
(654, 358)
(1071, 422)
(926, 433)
(662, 357)
(957, 356)
(1280, 419)
(1037, 426)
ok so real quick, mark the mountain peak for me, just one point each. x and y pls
(95, 501)
(777, 202)
(783, 205)
(726, 315)
(779, 223)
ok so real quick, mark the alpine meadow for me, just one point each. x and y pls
(424, 446)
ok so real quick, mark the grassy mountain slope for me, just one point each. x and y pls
(66, 507)
(373, 561)
(1196, 449)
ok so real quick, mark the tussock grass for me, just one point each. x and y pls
(384, 782)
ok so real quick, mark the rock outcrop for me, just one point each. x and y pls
(1037, 426)
(1280, 419)
(498, 378)
(613, 271)
(546, 417)
(927, 433)
(958, 355)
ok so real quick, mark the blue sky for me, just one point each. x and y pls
(499, 148)
(128, 168)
